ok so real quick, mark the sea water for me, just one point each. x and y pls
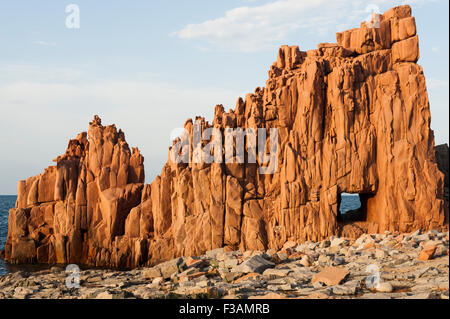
(349, 202)
(6, 202)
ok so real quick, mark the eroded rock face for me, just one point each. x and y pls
(351, 117)
(75, 211)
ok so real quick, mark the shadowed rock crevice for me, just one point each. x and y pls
(351, 116)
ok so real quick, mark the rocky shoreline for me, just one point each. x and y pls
(380, 266)
(347, 117)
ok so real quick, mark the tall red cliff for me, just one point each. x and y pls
(352, 117)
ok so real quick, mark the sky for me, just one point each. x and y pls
(147, 66)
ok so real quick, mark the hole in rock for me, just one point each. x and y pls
(352, 207)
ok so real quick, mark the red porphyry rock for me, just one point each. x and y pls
(248, 276)
(270, 295)
(331, 276)
(427, 253)
(352, 117)
(193, 262)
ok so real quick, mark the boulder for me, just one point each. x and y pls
(254, 264)
(331, 276)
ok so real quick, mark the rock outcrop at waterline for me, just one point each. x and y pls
(352, 117)
(74, 211)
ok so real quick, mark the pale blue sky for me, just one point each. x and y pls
(149, 65)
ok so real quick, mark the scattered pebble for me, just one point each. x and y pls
(408, 266)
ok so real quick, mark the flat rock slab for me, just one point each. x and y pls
(249, 276)
(254, 264)
(331, 276)
(273, 273)
(169, 268)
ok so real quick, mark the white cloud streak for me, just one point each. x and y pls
(266, 26)
(46, 44)
(437, 83)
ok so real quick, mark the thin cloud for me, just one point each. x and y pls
(251, 28)
(437, 83)
(266, 26)
(46, 44)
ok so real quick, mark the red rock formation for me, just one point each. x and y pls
(351, 117)
(75, 211)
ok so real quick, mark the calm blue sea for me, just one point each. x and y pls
(349, 202)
